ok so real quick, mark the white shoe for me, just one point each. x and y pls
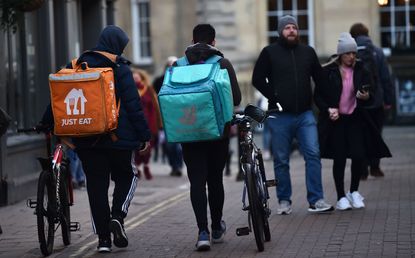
(356, 199)
(320, 207)
(285, 208)
(343, 204)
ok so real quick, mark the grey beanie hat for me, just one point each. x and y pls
(284, 20)
(346, 44)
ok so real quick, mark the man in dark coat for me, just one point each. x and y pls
(102, 157)
(282, 74)
(383, 94)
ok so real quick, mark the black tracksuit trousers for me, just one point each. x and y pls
(205, 162)
(101, 165)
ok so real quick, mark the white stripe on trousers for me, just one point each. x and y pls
(130, 194)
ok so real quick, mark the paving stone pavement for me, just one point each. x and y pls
(161, 221)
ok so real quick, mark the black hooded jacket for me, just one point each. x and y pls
(282, 74)
(132, 128)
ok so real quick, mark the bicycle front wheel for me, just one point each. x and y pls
(45, 212)
(65, 216)
(255, 209)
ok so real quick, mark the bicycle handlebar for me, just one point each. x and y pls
(254, 113)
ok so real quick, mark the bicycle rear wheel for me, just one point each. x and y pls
(255, 209)
(265, 196)
(45, 212)
(65, 216)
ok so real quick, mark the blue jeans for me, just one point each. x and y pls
(266, 136)
(284, 127)
(175, 156)
(75, 166)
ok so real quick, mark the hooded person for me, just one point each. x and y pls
(103, 157)
(375, 61)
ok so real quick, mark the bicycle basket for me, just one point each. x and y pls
(255, 113)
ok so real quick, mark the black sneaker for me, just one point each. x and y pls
(104, 245)
(219, 234)
(117, 229)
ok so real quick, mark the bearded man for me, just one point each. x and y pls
(282, 74)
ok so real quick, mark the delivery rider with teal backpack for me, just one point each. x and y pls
(205, 159)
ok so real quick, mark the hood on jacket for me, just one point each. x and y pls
(363, 41)
(113, 40)
(200, 52)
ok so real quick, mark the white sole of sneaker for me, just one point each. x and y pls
(104, 250)
(219, 240)
(287, 212)
(120, 239)
(203, 245)
(321, 211)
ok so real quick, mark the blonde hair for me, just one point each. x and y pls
(145, 77)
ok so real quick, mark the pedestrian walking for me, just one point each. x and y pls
(206, 160)
(282, 74)
(172, 150)
(151, 111)
(375, 60)
(104, 157)
(75, 165)
(345, 128)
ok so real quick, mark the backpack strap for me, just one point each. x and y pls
(213, 59)
(182, 61)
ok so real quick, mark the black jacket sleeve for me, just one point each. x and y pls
(262, 74)
(236, 92)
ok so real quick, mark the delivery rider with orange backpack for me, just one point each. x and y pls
(107, 156)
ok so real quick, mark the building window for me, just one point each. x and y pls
(302, 10)
(397, 20)
(141, 31)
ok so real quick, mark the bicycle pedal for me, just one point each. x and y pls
(271, 183)
(242, 231)
(31, 203)
(75, 226)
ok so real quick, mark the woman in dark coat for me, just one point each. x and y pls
(345, 129)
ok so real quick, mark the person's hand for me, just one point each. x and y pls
(334, 114)
(387, 107)
(145, 149)
(363, 95)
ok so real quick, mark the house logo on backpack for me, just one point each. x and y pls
(189, 115)
(72, 99)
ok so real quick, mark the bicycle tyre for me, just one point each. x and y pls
(267, 232)
(255, 208)
(45, 213)
(65, 215)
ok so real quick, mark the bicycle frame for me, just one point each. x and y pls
(54, 195)
(250, 154)
(255, 182)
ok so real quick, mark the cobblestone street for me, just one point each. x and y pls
(161, 222)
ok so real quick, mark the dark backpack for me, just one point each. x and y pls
(367, 56)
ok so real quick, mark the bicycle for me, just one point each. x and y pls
(255, 182)
(54, 195)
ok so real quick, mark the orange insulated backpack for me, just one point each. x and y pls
(83, 100)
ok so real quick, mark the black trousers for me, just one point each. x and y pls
(339, 166)
(101, 165)
(378, 117)
(205, 162)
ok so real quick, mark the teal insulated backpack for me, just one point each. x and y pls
(195, 101)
